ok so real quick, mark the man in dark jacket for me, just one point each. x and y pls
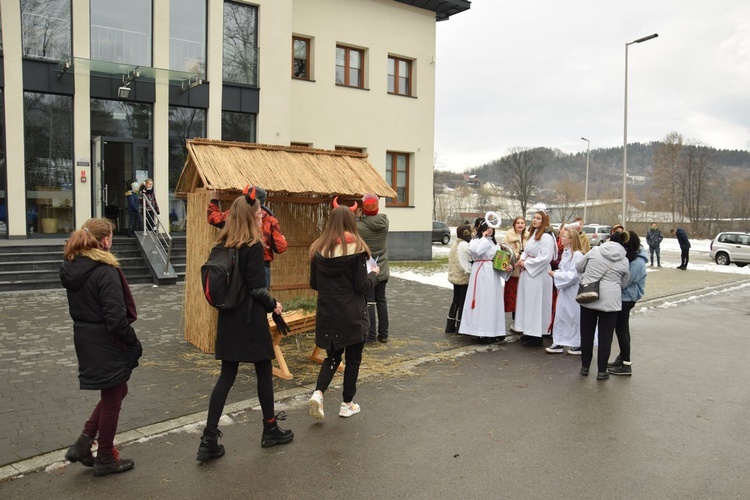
(684, 242)
(373, 228)
(653, 238)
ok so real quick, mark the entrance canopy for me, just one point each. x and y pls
(287, 173)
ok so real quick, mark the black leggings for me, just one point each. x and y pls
(622, 329)
(328, 369)
(606, 322)
(263, 372)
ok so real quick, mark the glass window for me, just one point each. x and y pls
(300, 58)
(48, 142)
(349, 67)
(240, 43)
(397, 175)
(121, 31)
(3, 179)
(187, 36)
(120, 119)
(184, 123)
(399, 76)
(46, 29)
(238, 127)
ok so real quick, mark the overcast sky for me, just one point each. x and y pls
(548, 72)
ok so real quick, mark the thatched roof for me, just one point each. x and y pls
(280, 170)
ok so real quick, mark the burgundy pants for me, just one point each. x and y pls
(104, 418)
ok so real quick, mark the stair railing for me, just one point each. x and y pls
(155, 230)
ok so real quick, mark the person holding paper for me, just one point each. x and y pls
(373, 227)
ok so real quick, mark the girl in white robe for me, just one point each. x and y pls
(483, 314)
(567, 328)
(534, 300)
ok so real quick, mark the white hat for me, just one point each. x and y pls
(134, 186)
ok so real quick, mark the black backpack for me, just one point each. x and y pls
(222, 282)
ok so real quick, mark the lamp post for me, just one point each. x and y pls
(586, 188)
(625, 133)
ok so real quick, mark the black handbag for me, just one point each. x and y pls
(590, 291)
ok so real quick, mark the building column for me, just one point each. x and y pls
(214, 67)
(160, 137)
(82, 166)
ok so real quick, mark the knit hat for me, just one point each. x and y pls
(370, 204)
(464, 232)
(134, 186)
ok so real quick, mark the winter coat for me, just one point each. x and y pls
(273, 240)
(654, 237)
(151, 197)
(342, 281)
(514, 241)
(682, 238)
(636, 286)
(106, 345)
(374, 230)
(594, 265)
(459, 263)
(134, 205)
(243, 334)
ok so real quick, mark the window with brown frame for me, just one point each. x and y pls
(399, 76)
(397, 176)
(300, 58)
(350, 67)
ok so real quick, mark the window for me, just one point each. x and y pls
(184, 124)
(187, 36)
(46, 29)
(349, 148)
(120, 119)
(399, 76)
(301, 58)
(238, 127)
(240, 43)
(48, 147)
(349, 67)
(397, 176)
(121, 31)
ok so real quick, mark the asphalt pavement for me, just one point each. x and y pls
(441, 416)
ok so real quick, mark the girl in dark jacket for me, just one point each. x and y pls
(339, 272)
(242, 334)
(102, 309)
(152, 207)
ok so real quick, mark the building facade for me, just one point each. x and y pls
(98, 94)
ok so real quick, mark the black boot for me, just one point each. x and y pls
(81, 451)
(273, 434)
(210, 447)
(450, 327)
(111, 464)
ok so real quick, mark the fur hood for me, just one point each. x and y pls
(74, 273)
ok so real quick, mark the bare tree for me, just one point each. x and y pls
(520, 171)
(694, 176)
(666, 164)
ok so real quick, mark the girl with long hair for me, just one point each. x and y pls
(514, 239)
(243, 335)
(342, 272)
(534, 301)
(567, 323)
(102, 308)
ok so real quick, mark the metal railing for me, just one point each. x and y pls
(155, 230)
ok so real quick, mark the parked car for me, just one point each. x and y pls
(441, 233)
(731, 246)
(597, 234)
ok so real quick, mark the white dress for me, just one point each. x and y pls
(534, 299)
(484, 310)
(567, 328)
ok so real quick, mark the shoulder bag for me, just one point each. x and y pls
(590, 291)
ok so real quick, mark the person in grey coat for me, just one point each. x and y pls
(373, 228)
(609, 264)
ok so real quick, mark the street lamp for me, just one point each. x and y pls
(586, 189)
(625, 133)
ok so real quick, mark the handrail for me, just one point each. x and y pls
(158, 233)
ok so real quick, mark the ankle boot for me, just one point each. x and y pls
(111, 464)
(273, 434)
(210, 447)
(450, 327)
(81, 451)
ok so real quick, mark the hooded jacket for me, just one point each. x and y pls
(106, 344)
(636, 286)
(594, 266)
(342, 281)
(374, 230)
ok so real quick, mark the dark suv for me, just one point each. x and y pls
(441, 233)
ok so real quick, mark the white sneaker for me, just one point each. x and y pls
(574, 351)
(554, 349)
(347, 410)
(316, 405)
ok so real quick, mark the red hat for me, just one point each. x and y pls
(370, 204)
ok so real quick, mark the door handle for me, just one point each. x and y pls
(104, 195)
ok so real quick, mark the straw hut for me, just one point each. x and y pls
(301, 184)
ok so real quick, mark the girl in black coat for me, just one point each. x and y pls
(102, 309)
(242, 334)
(339, 272)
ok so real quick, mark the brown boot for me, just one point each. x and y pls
(81, 451)
(111, 464)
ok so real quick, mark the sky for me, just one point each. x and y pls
(548, 72)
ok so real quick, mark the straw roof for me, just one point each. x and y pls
(281, 170)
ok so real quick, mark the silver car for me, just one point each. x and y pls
(731, 246)
(597, 234)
